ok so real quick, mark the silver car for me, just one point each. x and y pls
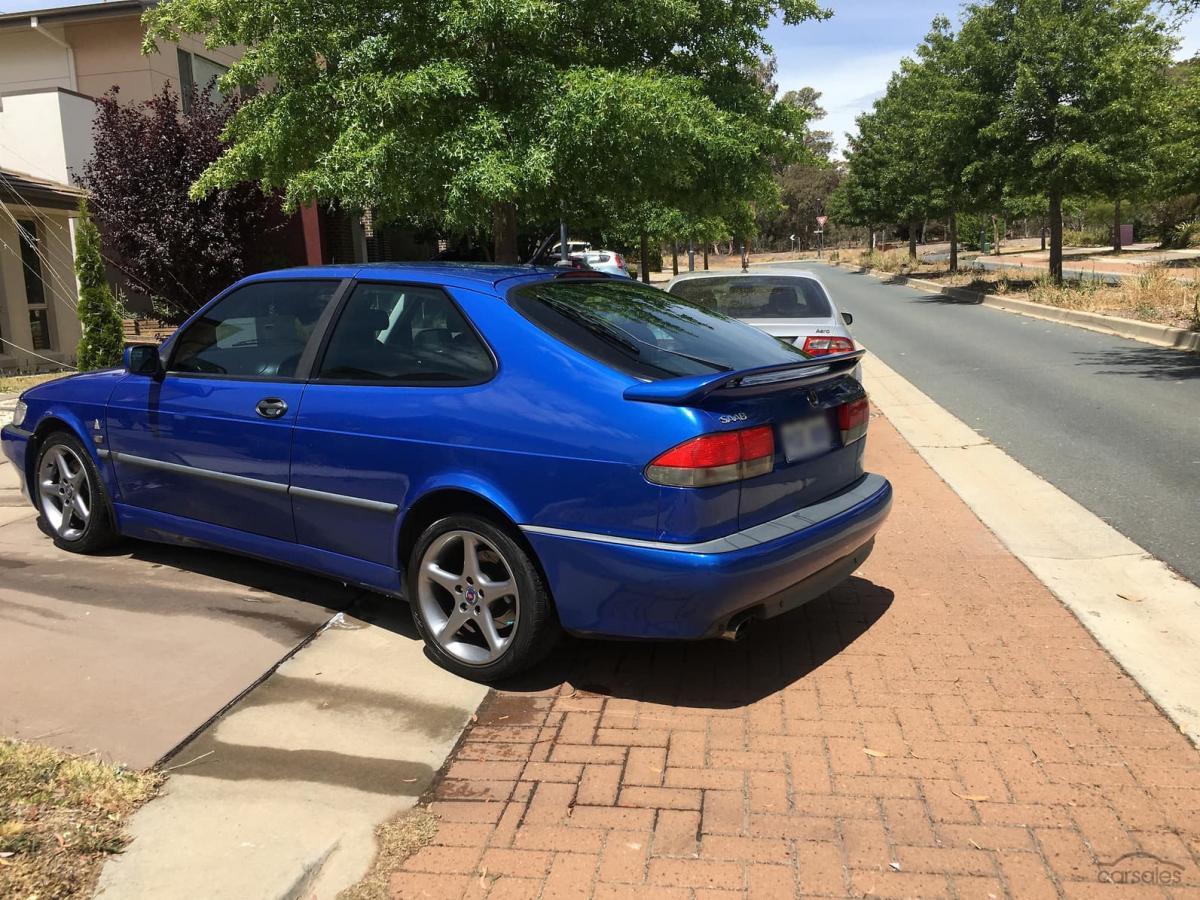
(791, 304)
(609, 261)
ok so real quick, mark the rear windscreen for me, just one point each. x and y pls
(758, 296)
(646, 332)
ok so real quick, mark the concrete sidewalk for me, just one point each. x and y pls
(941, 725)
(281, 797)
(128, 653)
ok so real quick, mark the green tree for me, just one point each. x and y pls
(1083, 89)
(103, 339)
(1178, 169)
(919, 153)
(804, 186)
(471, 111)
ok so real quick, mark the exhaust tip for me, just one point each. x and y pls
(736, 631)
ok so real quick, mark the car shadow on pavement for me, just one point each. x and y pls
(1143, 362)
(715, 674)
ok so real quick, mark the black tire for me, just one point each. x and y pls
(100, 531)
(535, 629)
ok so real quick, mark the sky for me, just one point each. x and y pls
(849, 58)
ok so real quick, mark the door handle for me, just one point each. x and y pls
(271, 408)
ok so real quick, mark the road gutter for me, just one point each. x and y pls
(1139, 610)
(1146, 332)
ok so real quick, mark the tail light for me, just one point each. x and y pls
(620, 260)
(827, 346)
(716, 459)
(852, 420)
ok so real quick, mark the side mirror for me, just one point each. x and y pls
(847, 318)
(143, 359)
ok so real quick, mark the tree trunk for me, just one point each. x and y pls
(912, 239)
(995, 236)
(705, 257)
(1042, 231)
(1056, 235)
(644, 257)
(953, 228)
(674, 257)
(1117, 226)
(924, 231)
(504, 233)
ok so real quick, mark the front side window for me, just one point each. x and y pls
(645, 332)
(404, 334)
(758, 296)
(258, 331)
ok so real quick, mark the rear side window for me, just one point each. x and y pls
(646, 332)
(404, 334)
(758, 296)
(259, 330)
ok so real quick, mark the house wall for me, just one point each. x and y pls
(30, 60)
(58, 278)
(46, 132)
(106, 52)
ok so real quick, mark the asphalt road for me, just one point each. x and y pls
(1115, 424)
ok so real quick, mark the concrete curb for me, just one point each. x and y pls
(1146, 332)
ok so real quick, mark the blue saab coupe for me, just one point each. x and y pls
(517, 451)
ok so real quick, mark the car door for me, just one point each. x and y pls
(397, 389)
(210, 439)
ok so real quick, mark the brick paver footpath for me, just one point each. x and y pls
(939, 726)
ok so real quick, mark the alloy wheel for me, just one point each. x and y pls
(65, 492)
(468, 597)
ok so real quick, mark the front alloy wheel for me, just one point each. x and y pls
(65, 492)
(70, 496)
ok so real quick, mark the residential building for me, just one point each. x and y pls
(39, 328)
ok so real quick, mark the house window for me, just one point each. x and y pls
(198, 73)
(35, 285)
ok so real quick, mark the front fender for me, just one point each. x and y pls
(88, 425)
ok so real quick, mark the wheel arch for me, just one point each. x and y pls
(56, 420)
(450, 499)
(47, 425)
(445, 500)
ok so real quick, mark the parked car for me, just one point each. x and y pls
(608, 261)
(581, 252)
(793, 305)
(514, 450)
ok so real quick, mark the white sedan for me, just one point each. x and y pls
(793, 305)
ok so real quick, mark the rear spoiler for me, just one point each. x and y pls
(744, 382)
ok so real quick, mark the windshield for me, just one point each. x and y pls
(645, 332)
(758, 296)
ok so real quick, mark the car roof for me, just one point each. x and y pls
(457, 274)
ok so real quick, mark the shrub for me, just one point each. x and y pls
(1095, 236)
(1186, 234)
(103, 337)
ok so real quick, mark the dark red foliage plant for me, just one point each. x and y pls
(178, 251)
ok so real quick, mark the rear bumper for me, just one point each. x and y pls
(15, 444)
(645, 589)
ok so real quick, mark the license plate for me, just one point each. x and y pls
(806, 438)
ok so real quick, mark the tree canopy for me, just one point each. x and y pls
(1030, 102)
(470, 111)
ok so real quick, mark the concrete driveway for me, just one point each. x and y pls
(130, 653)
